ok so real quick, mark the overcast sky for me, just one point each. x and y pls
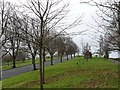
(76, 9)
(91, 36)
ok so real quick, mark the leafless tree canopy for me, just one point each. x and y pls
(109, 13)
(32, 26)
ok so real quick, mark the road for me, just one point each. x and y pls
(28, 68)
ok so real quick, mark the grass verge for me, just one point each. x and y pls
(75, 73)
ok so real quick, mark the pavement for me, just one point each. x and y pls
(16, 71)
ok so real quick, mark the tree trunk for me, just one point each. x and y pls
(24, 60)
(71, 56)
(61, 58)
(106, 55)
(14, 64)
(40, 53)
(119, 18)
(67, 57)
(14, 57)
(58, 56)
(41, 71)
(44, 59)
(74, 55)
(33, 62)
(119, 24)
(51, 59)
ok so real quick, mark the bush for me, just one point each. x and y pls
(7, 59)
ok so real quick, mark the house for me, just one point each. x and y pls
(114, 54)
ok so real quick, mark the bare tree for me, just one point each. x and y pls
(67, 47)
(101, 43)
(4, 8)
(30, 26)
(4, 12)
(60, 47)
(51, 48)
(13, 43)
(109, 13)
(49, 14)
(106, 46)
(70, 47)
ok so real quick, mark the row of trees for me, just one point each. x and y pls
(38, 30)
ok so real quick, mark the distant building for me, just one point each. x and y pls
(114, 54)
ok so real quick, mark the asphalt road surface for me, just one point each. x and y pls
(28, 68)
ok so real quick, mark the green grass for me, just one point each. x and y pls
(21, 63)
(76, 73)
(0, 85)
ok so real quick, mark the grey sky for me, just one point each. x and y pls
(91, 36)
(76, 10)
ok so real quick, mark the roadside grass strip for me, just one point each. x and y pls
(75, 73)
